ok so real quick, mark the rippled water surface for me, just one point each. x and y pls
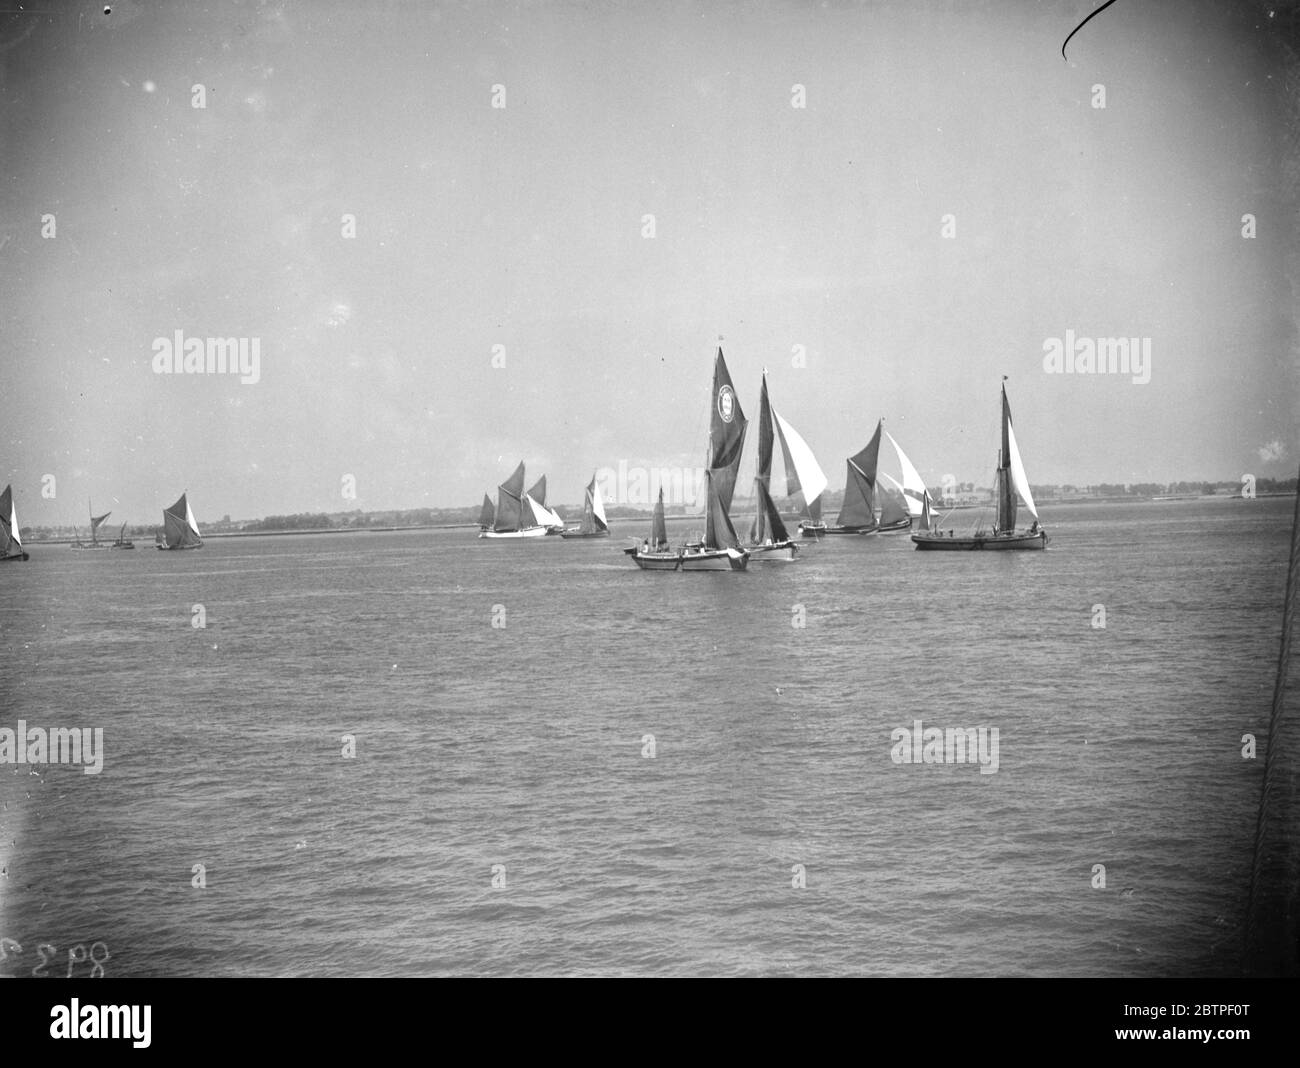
(522, 745)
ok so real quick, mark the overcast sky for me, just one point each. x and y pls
(784, 230)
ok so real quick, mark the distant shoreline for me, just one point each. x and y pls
(642, 516)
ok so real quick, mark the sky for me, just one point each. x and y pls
(947, 199)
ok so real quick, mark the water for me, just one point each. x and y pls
(522, 745)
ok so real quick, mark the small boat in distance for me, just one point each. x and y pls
(1011, 481)
(594, 524)
(514, 515)
(122, 542)
(656, 554)
(487, 515)
(95, 521)
(11, 545)
(179, 531)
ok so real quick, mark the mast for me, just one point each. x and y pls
(1006, 520)
(763, 475)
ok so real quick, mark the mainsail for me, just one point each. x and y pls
(727, 425)
(859, 507)
(658, 528)
(180, 531)
(95, 520)
(718, 531)
(593, 510)
(510, 503)
(1010, 475)
(769, 516)
(10, 543)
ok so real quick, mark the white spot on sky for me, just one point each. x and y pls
(149, 87)
(1274, 450)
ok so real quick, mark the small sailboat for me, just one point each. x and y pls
(179, 530)
(594, 524)
(655, 554)
(487, 514)
(95, 521)
(858, 510)
(768, 538)
(123, 542)
(514, 514)
(1011, 481)
(11, 545)
(719, 549)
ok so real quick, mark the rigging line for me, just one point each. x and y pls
(1084, 23)
(1272, 745)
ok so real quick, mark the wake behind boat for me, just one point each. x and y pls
(11, 545)
(1010, 481)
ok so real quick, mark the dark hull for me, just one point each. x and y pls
(976, 542)
(579, 534)
(902, 524)
(17, 557)
(176, 548)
